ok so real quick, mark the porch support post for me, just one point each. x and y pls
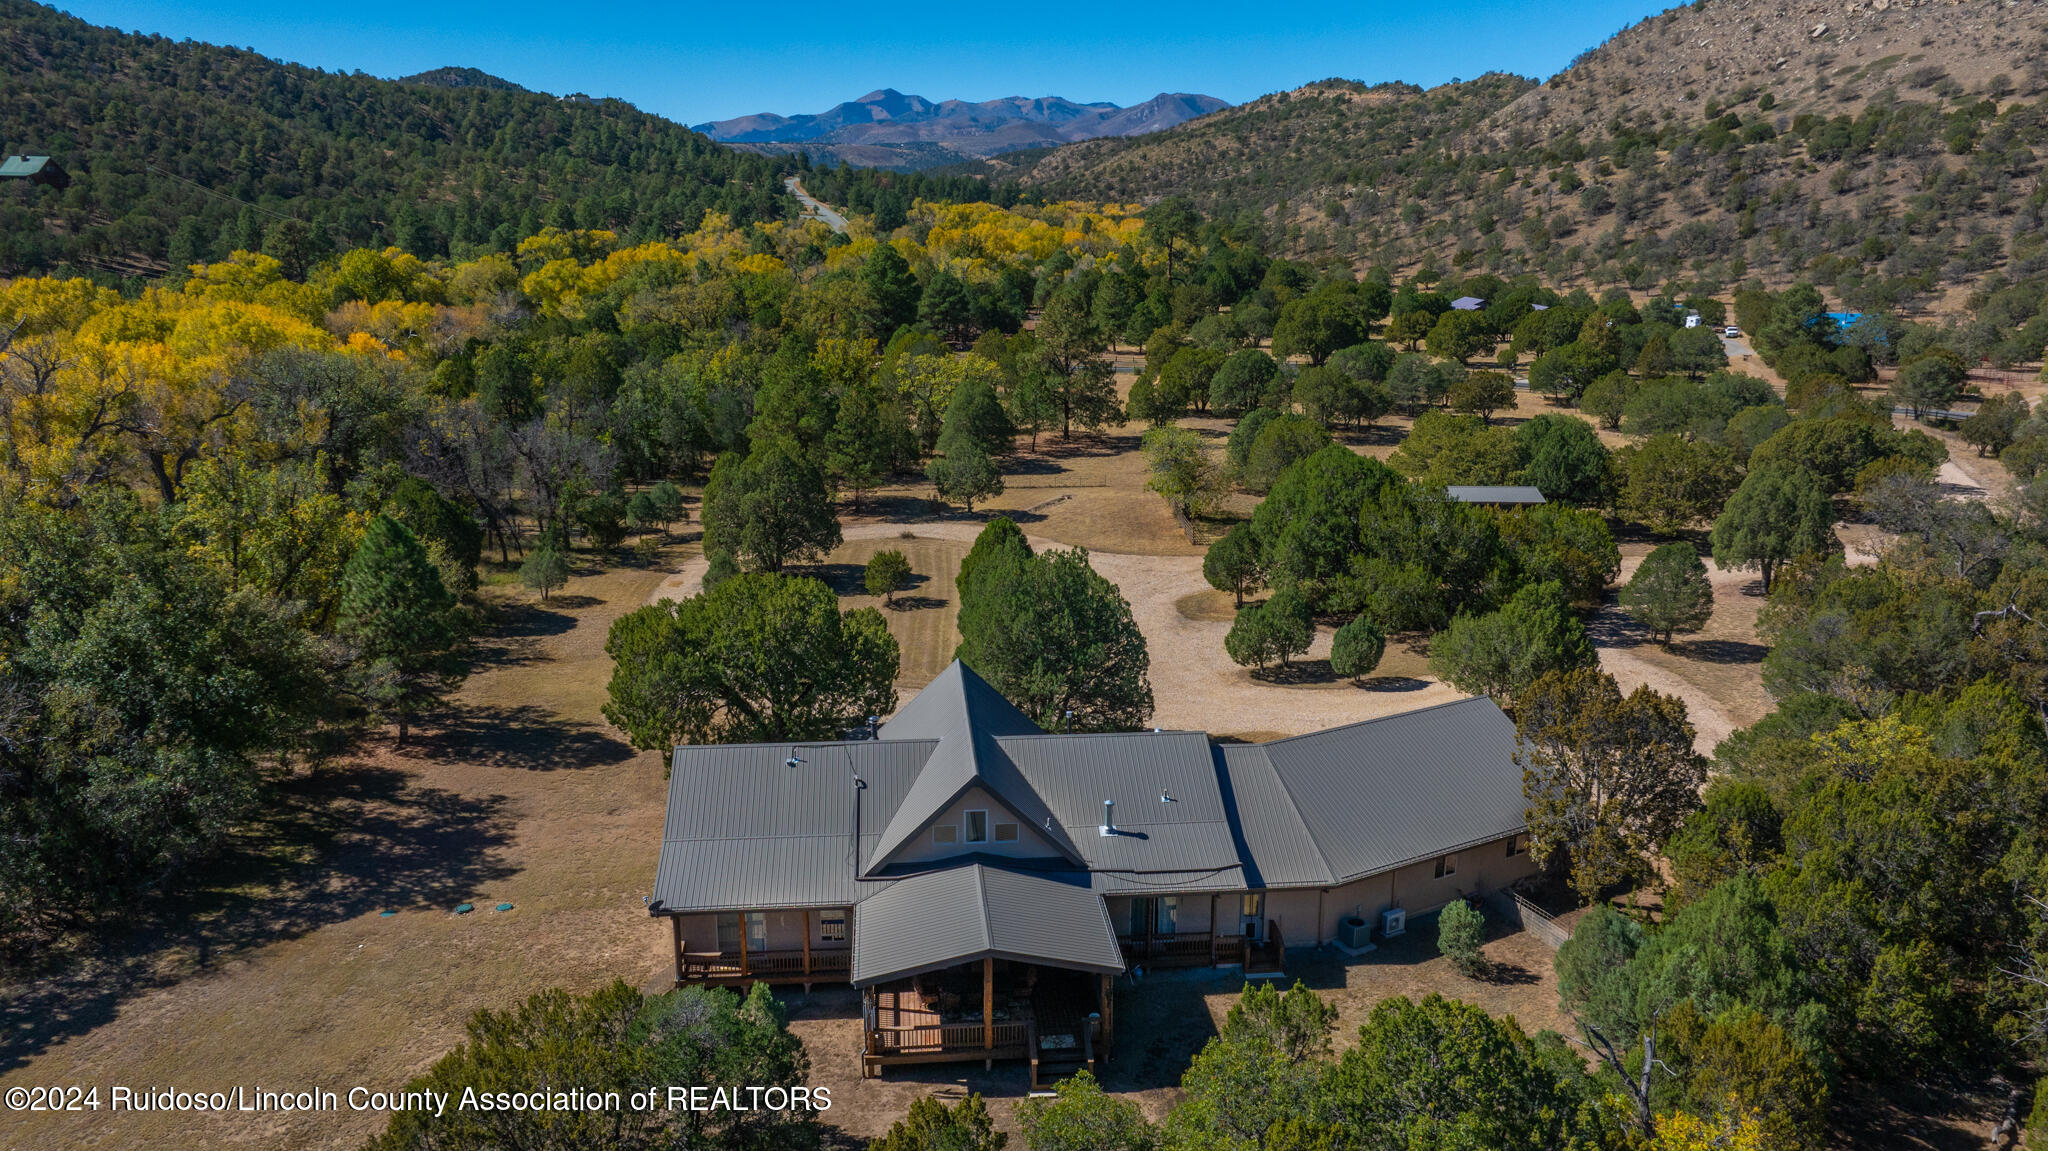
(988, 1010)
(807, 950)
(743, 943)
(1320, 892)
(1107, 1001)
(675, 923)
(1212, 929)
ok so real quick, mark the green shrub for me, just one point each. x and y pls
(887, 573)
(1460, 929)
(1357, 647)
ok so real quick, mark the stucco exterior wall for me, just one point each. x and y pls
(923, 848)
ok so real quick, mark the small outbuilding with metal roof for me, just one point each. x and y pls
(1499, 495)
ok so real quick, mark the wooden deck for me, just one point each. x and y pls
(1182, 949)
(904, 1030)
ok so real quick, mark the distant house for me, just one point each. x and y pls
(982, 881)
(1499, 495)
(36, 170)
(1467, 304)
(1692, 319)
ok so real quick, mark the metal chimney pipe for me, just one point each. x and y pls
(1108, 817)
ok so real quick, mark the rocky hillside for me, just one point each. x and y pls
(888, 129)
(1888, 148)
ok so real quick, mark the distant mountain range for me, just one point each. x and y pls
(888, 129)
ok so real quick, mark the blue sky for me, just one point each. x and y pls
(696, 62)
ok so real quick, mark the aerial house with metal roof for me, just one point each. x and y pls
(982, 880)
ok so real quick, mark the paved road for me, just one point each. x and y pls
(1736, 346)
(815, 207)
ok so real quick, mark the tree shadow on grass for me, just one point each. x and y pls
(1722, 651)
(1392, 683)
(1618, 629)
(527, 737)
(917, 602)
(326, 847)
(1507, 975)
(1297, 672)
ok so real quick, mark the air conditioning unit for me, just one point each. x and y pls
(1354, 936)
(1393, 921)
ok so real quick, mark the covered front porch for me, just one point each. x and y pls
(983, 963)
(1061, 1021)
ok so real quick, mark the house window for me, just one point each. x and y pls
(729, 930)
(1141, 915)
(1518, 845)
(1006, 833)
(832, 926)
(1250, 903)
(1169, 914)
(975, 827)
(945, 833)
(1446, 866)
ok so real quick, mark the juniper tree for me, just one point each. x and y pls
(399, 621)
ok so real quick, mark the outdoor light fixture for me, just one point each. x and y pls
(792, 761)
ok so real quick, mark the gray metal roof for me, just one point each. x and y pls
(1187, 834)
(1468, 303)
(1278, 850)
(963, 914)
(1390, 791)
(746, 831)
(1495, 494)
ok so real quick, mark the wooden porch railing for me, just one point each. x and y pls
(767, 966)
(964, 1039)
(1185, 947)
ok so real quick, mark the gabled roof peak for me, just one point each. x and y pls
(957, 700)
(966, 716)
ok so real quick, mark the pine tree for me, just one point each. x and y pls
(400, 620)
(1670, 592)
(544, 570)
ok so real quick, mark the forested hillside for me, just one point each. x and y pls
(169, 144)
(1888, 151)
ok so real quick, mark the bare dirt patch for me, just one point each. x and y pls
(1718, 672)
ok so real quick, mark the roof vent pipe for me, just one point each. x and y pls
(1108, 817)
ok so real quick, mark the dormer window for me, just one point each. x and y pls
(974, 827)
